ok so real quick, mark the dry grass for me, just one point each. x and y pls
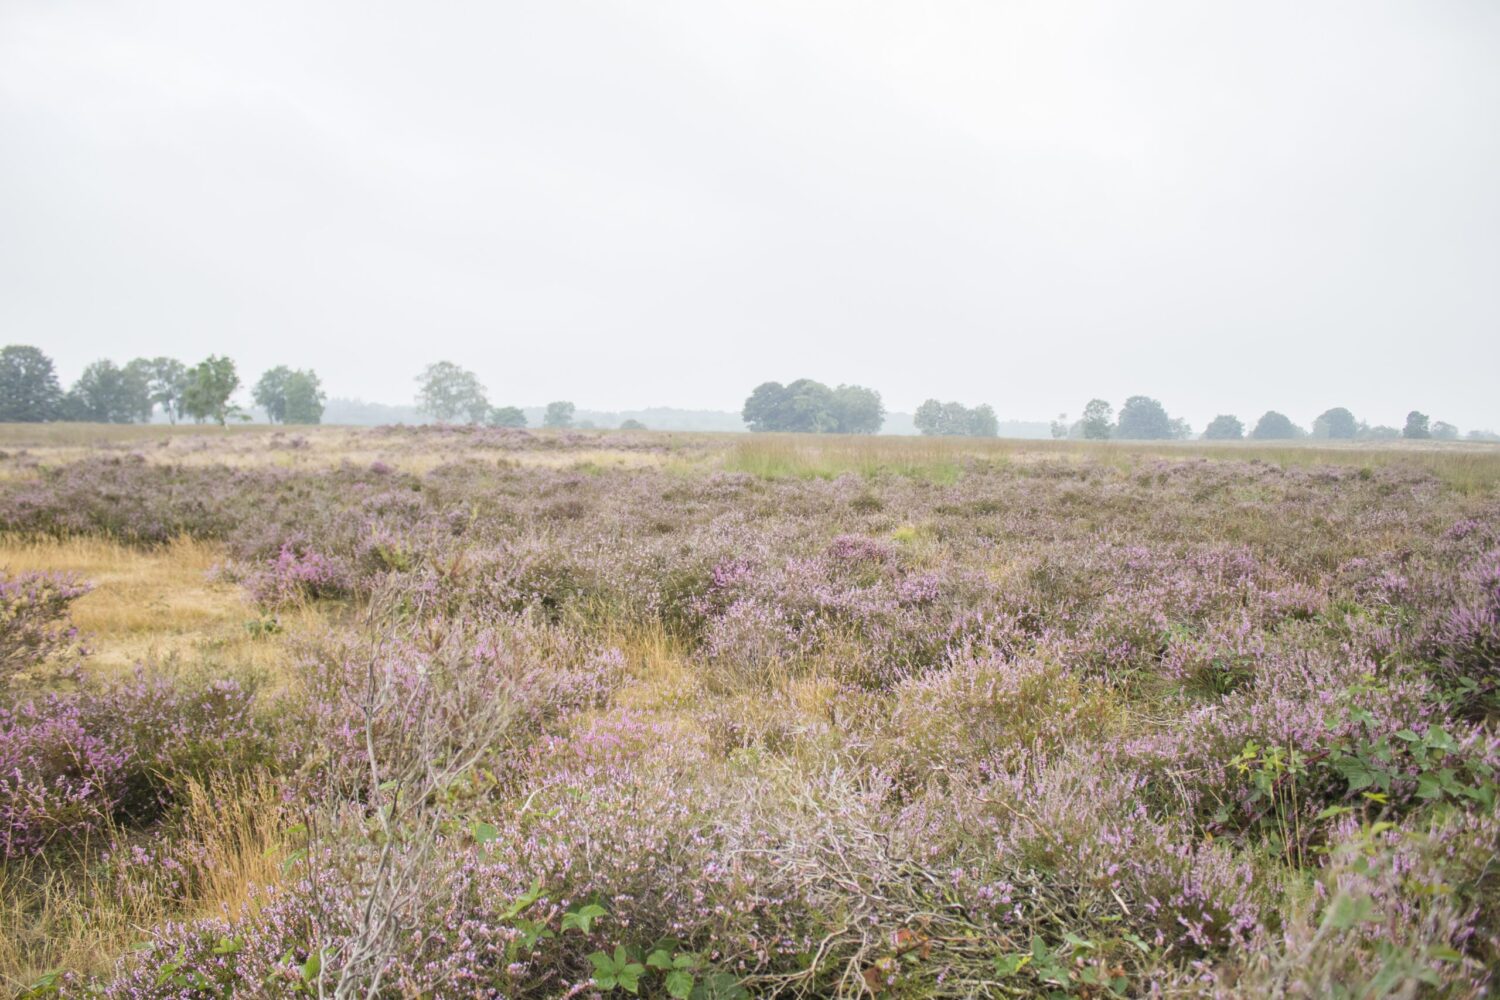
(156, 606)
(84, 917)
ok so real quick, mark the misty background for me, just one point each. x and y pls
(1231, 208)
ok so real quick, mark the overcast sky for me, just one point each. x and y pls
(1228, 206)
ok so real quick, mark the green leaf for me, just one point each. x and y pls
(679, 984)
(1348, 911)
(582, 919)
(659, 959)
(524, 901)
(312, 966)
(485, 833)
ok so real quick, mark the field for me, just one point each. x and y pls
(453, 712)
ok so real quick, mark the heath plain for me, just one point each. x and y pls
(489, 712)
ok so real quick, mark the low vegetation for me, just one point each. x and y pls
(486, 712)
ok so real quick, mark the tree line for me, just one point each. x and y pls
(1142, 418)
(453, 394)
(108, 393)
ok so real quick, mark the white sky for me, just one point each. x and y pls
(1229, 206)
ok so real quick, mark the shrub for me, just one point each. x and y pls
(34, 622)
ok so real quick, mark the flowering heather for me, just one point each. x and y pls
(1056, 725)
(34, 623)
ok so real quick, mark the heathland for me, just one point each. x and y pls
(477, 712)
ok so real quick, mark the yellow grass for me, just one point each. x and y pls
(83, 917)
(155, 606)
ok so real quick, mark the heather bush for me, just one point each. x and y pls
(76, 763)
(1049, 725)
(34, 622)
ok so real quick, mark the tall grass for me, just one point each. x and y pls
(1467, 467)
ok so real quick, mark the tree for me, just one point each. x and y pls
(956, 419)
(1444, 431)
(1144, 419)
(857, 410)
(929, 417)
(506, 416)
(983, 422)
(108, 394)
(762, 410)
(808, 408)
(1381, 432)
(29, 392)
(1224, 428)
(1060, 427)
(1096, 420)
(1337, 424)
(290, 397)
(1416, 426)
(270, 393)
(210, 383)
(447, 392)
(166, 381)
(304, 398)
(632, 424)
(559, 414)
(1273, 426)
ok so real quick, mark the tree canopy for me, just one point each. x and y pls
(107, 394)
(1273, 426)
(1224, 427)
(559, 414)
(1144, 419)
(808, 406)
(956, 420)
(1416, 426)
(290, 396)
(29, 391)
(1097, 416)
(210, 384)
(450, 392)
(1336, 424)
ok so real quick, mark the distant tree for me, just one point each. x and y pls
(929, 418)
(762, 411)
(166, 381)
(1482, 435)
(1444, 431)
(290, 397)
(1416, 426)
(1181, 429)
(1381, 433)
(559, 414)
(270, 393)
(210, 383)
(632, 425)
(1060, 427)
(107, 394)
(1273, 426)
(1143, 419)
(956, 419)
(1337, 424)
(809, 408)
(1096, 420)
(506, 416)
(29, 392)
(857, 410)
(304, 398)
(983, 422)
(449, 392)
(1224, 428)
